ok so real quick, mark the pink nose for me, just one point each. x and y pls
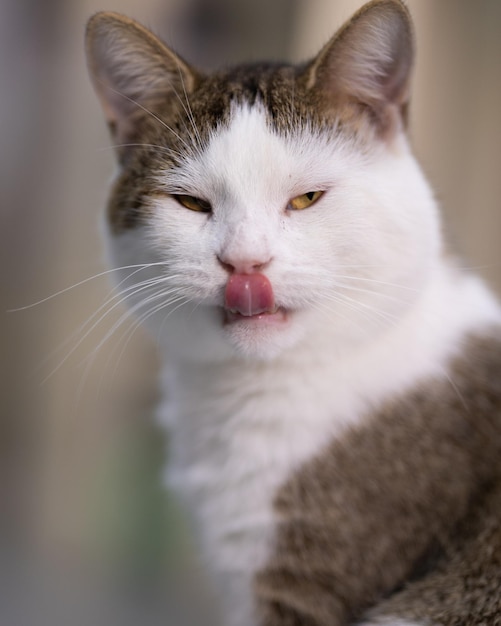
(242, 266)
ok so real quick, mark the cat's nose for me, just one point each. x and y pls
(242, 265)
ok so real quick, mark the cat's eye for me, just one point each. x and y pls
(193, 203)
(304, 201)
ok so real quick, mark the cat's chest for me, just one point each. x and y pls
(230, 452)
(239, 431)
(232, 448)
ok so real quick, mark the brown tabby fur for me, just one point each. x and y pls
(391, 502)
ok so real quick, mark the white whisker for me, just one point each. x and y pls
(188, 111)
(89, 328)
(131, 311)
(361, 308)
(156, 309)
(83, 282)
(142, 145)
(127, 336)
(155, 117)
(373, 292)
(378, 282)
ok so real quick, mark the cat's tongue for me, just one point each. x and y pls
(249, 294)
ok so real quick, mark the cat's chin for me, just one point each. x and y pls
(263, 336)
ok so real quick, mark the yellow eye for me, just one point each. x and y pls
(305, 200)
(192, 203)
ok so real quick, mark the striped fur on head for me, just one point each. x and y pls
(159, 108)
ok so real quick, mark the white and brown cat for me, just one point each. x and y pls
(332, 380)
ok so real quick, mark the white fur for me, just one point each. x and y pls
(245, 408)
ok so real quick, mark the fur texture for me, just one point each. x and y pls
(340, 453)
(364, 536)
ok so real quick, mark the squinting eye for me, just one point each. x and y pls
(304, 201)
(192, 203)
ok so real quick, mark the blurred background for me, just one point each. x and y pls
(87, 535)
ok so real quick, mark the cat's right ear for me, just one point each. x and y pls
(131, 70)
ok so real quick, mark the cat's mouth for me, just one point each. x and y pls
(275, 315)
(250, 297)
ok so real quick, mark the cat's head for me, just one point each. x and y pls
(267, 202)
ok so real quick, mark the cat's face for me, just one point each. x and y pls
(271, 202)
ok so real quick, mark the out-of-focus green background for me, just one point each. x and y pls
(87, 535)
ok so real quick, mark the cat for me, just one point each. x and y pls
(332, 378)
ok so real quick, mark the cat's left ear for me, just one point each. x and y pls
(132, 71)
(365, 70)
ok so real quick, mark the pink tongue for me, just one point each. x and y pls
(249, 294)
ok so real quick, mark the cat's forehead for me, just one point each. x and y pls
(247, 159)
(275, 87)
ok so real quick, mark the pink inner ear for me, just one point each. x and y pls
(249, 294)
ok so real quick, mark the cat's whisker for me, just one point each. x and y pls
(456, 389)
(374, 292)
(180, 301)
(169, 151)
(87, 328)
(150, 113)
(120, 345)
(83, 381)
(120, 297)
(189, 113)
(331, 284)
(188, 300)
(83, 282)
(367, 310)
(339, 311)
(197, 305)
(325, 280)
(81, 329)
(378, 282)
(130, 314)
(137, 322)
(90, 359)
(382, 314)
(328, 311)
(89, 362)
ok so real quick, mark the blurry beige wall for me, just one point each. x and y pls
(84, 520)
